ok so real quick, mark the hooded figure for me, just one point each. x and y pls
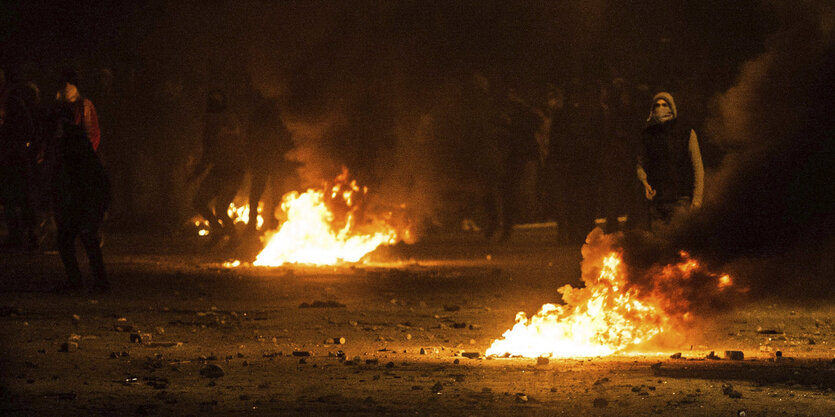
(669, 161)
(83, 111)
(80, 186)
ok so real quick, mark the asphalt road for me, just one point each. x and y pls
(409, 318)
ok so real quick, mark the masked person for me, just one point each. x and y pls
(669, 162)
(80, 186)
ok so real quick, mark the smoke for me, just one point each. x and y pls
(770, 206)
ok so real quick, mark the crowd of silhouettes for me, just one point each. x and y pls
(568, 155)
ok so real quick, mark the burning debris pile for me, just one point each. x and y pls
(614, 313)
(325, 226)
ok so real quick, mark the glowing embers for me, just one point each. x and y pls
(323, 229)
(241, 214)
(598, 320)
(238, 214)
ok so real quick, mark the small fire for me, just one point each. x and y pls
(240, 214)
(609, 315)
(323, 228)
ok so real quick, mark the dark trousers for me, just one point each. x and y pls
(79, 211)
(17, 202)
(88, 232)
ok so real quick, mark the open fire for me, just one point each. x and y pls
(325, 226)
(610, 315)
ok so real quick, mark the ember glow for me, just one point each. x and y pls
(240, 214)
(609, 315)
(323, 229)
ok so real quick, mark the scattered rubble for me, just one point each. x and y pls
(734, 355)
(322, 304)
(212, 371)
(729, 390)
(600, 402)
(68, 347)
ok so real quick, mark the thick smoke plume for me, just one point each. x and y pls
(770, 208)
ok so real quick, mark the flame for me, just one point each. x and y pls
(725, 281)
(610, 320)
(240, 214)
(322, 228)
(611, 314)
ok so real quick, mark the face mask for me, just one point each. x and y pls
(662, 114)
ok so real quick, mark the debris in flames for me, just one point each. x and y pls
(238, 214)
(325, 228)
(609, 315)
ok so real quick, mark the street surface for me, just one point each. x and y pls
(260, 341)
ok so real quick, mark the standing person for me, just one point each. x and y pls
(521, 152)
(225, 159)
(80, 187)
(618, 182)
(669, 162)
(18, 139)
(83, 111)
(555, 184)
(580, 153)
(269, 140)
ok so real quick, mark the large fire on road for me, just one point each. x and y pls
(325, 228)
(609, 315)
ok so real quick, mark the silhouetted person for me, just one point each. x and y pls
(579, 153)
(224, 157)
(669, 162)
(618, 153)
(555, 179)
(80, 187)
(269, 140)
(517, 143)
(19, 137)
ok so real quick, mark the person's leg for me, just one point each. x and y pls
(230, 183)
(256, 190)
(9, 201)
(90, 239)
(206, 192)
(509, 205)
(66, 248)
(491, 210)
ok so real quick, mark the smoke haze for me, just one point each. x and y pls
(770, 204)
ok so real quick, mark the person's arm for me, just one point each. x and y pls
(698, 170)
(91, 124)
(649, 192)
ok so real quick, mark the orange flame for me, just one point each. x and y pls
(609, 315)
(322, 229)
